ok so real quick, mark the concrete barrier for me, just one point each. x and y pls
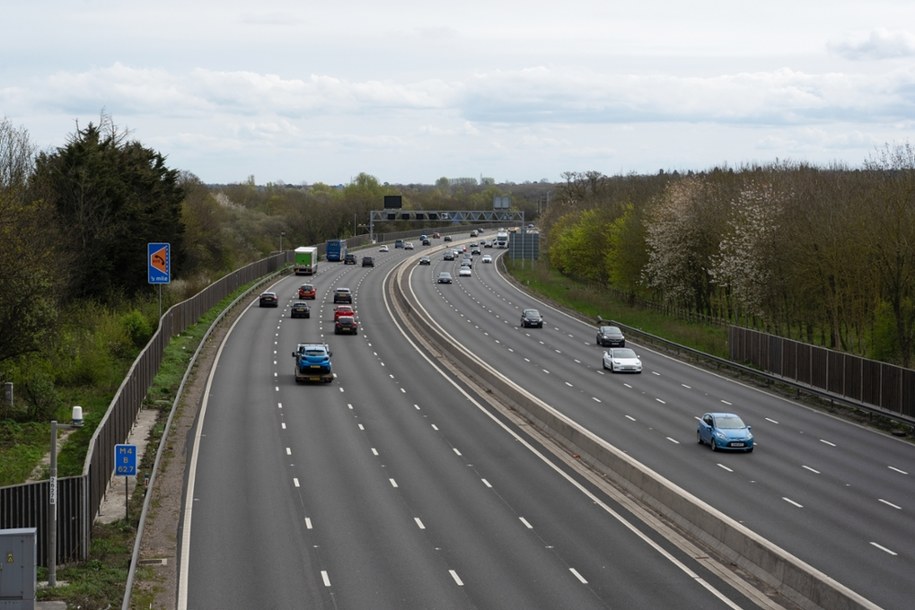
(796, 580)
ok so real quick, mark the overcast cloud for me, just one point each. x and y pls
(409, 92)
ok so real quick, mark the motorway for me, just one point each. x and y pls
(396, 487)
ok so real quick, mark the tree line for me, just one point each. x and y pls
(824, 255)
(75, 304)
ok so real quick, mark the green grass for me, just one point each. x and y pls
(22, 446)
(99, 581)
(593, 302)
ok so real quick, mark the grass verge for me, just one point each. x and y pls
(593, 302)
(99, 582)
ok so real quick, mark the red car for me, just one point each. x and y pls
(344, 310)
(307, 291)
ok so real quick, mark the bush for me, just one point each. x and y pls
(137, 327)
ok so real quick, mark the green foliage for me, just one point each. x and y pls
(35, 391)
(22, 444)
(112, 197)
(137, 327)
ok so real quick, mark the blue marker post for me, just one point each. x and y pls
(125, 465)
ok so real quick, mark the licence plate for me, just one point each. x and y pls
(737, 444)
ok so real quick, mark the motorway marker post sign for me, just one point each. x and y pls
(125, 465)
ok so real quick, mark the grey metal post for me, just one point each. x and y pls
(52, 512)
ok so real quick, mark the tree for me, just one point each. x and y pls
(28, 292)
(892, 237)
(683, 232)
(744, 262)
(626, 254)
(111, 197)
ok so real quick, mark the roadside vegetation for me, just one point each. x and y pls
(823, 255)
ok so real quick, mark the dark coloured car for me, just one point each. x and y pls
(425, 261)
(447, 238)
(610, 336)
(349, 259)
(368, 261)
(724, 431)
(449, 255)
(443, 278)
(268, 299)
(307, 291)
(346, 325)
(531, 318)
(343, 295)
(300, 309)
(427, 242)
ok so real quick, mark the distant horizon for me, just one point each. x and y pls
(295, 93)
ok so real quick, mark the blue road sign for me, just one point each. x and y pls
(125, 460)
(159, 262)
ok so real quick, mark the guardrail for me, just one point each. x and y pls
(791, 577)
(798, 388)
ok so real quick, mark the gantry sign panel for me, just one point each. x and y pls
(460, 216)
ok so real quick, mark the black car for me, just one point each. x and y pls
(610, 336)
(531, 318)
(268, 299)
(300, 309)
(447, 238)
(425, 261)
(368, 261)
(349, 259)
(443, 278)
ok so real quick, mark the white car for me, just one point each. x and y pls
(486, 259)
(465, 272)
(383, 249)
(622, 360)
(408, 245)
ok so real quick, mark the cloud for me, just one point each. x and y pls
(876, 44)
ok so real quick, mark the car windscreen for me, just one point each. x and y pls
(731, 422)
(623, 353)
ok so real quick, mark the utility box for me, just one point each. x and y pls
(18, 568)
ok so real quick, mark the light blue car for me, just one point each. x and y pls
(724, 431)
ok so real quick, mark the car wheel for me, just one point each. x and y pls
(750, 450)
(622, 344)
(603, 364)
(713, 444)
(699, 437)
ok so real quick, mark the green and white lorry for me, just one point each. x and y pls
(306, 260)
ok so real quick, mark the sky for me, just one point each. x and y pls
(304, 92)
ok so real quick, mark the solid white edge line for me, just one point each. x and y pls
(597, 501)
(185, 551)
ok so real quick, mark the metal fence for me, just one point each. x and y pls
(79, 497)
(886, 386)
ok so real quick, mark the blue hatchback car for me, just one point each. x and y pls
(724, 431)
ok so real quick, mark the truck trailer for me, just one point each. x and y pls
(335, 249)
(306, 260)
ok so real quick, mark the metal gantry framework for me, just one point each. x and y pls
(505, 217)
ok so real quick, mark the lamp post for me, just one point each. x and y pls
(77, 422)
(52, 510)
(282, 235)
